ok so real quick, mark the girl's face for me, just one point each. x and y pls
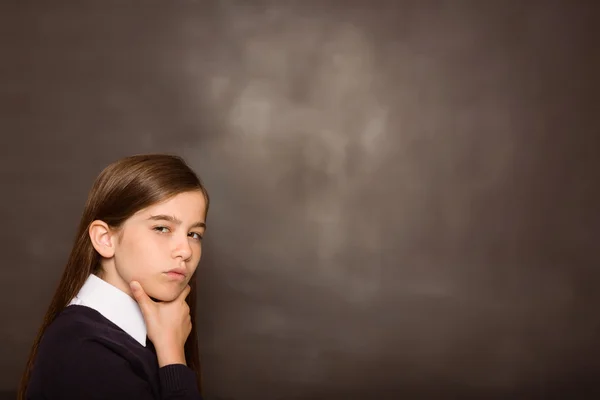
(159, 246)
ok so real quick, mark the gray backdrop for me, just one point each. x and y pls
(404, 193)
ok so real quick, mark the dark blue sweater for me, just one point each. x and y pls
(83, 355)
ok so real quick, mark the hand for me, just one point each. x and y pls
(168, 324)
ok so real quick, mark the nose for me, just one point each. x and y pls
(182, 248)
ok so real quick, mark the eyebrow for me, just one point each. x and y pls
(175, 220)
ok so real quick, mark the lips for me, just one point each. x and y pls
(179, 271)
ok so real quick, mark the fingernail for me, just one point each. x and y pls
(133, 285)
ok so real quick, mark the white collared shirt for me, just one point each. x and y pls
(115, 305)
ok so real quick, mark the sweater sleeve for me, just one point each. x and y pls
(95, 372)
(177, 381)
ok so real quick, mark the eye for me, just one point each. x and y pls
(161, 229)
(197, 235)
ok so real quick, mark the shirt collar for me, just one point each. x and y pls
(114, 304)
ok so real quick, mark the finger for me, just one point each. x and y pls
(185, 293)
(140, 296)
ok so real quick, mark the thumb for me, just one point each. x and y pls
(140, 296)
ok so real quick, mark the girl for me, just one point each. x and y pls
(121, 324)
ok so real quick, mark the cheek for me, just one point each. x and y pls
(197, 254)
(195, 262)
(136, 259)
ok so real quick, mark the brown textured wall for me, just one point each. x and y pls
(405, 193)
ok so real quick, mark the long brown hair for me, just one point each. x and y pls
(122, 189)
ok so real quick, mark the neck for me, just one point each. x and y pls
(109, 274)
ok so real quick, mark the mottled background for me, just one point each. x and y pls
(404, 193)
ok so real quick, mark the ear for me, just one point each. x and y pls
(102, 238)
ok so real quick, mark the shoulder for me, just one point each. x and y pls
(80, 354)
(77, 325)
(74, 325)
(88, 369)
(75, 320)
(81, 334)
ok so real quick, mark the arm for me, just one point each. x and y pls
(93, 371)
(177, 381)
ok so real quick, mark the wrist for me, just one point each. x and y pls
(170, 354)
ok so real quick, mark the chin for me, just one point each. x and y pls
(165, 295)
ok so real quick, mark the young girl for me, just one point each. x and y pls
(121, 324)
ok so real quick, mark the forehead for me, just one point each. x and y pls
(188, 207)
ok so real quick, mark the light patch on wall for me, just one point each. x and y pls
(338, 112)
